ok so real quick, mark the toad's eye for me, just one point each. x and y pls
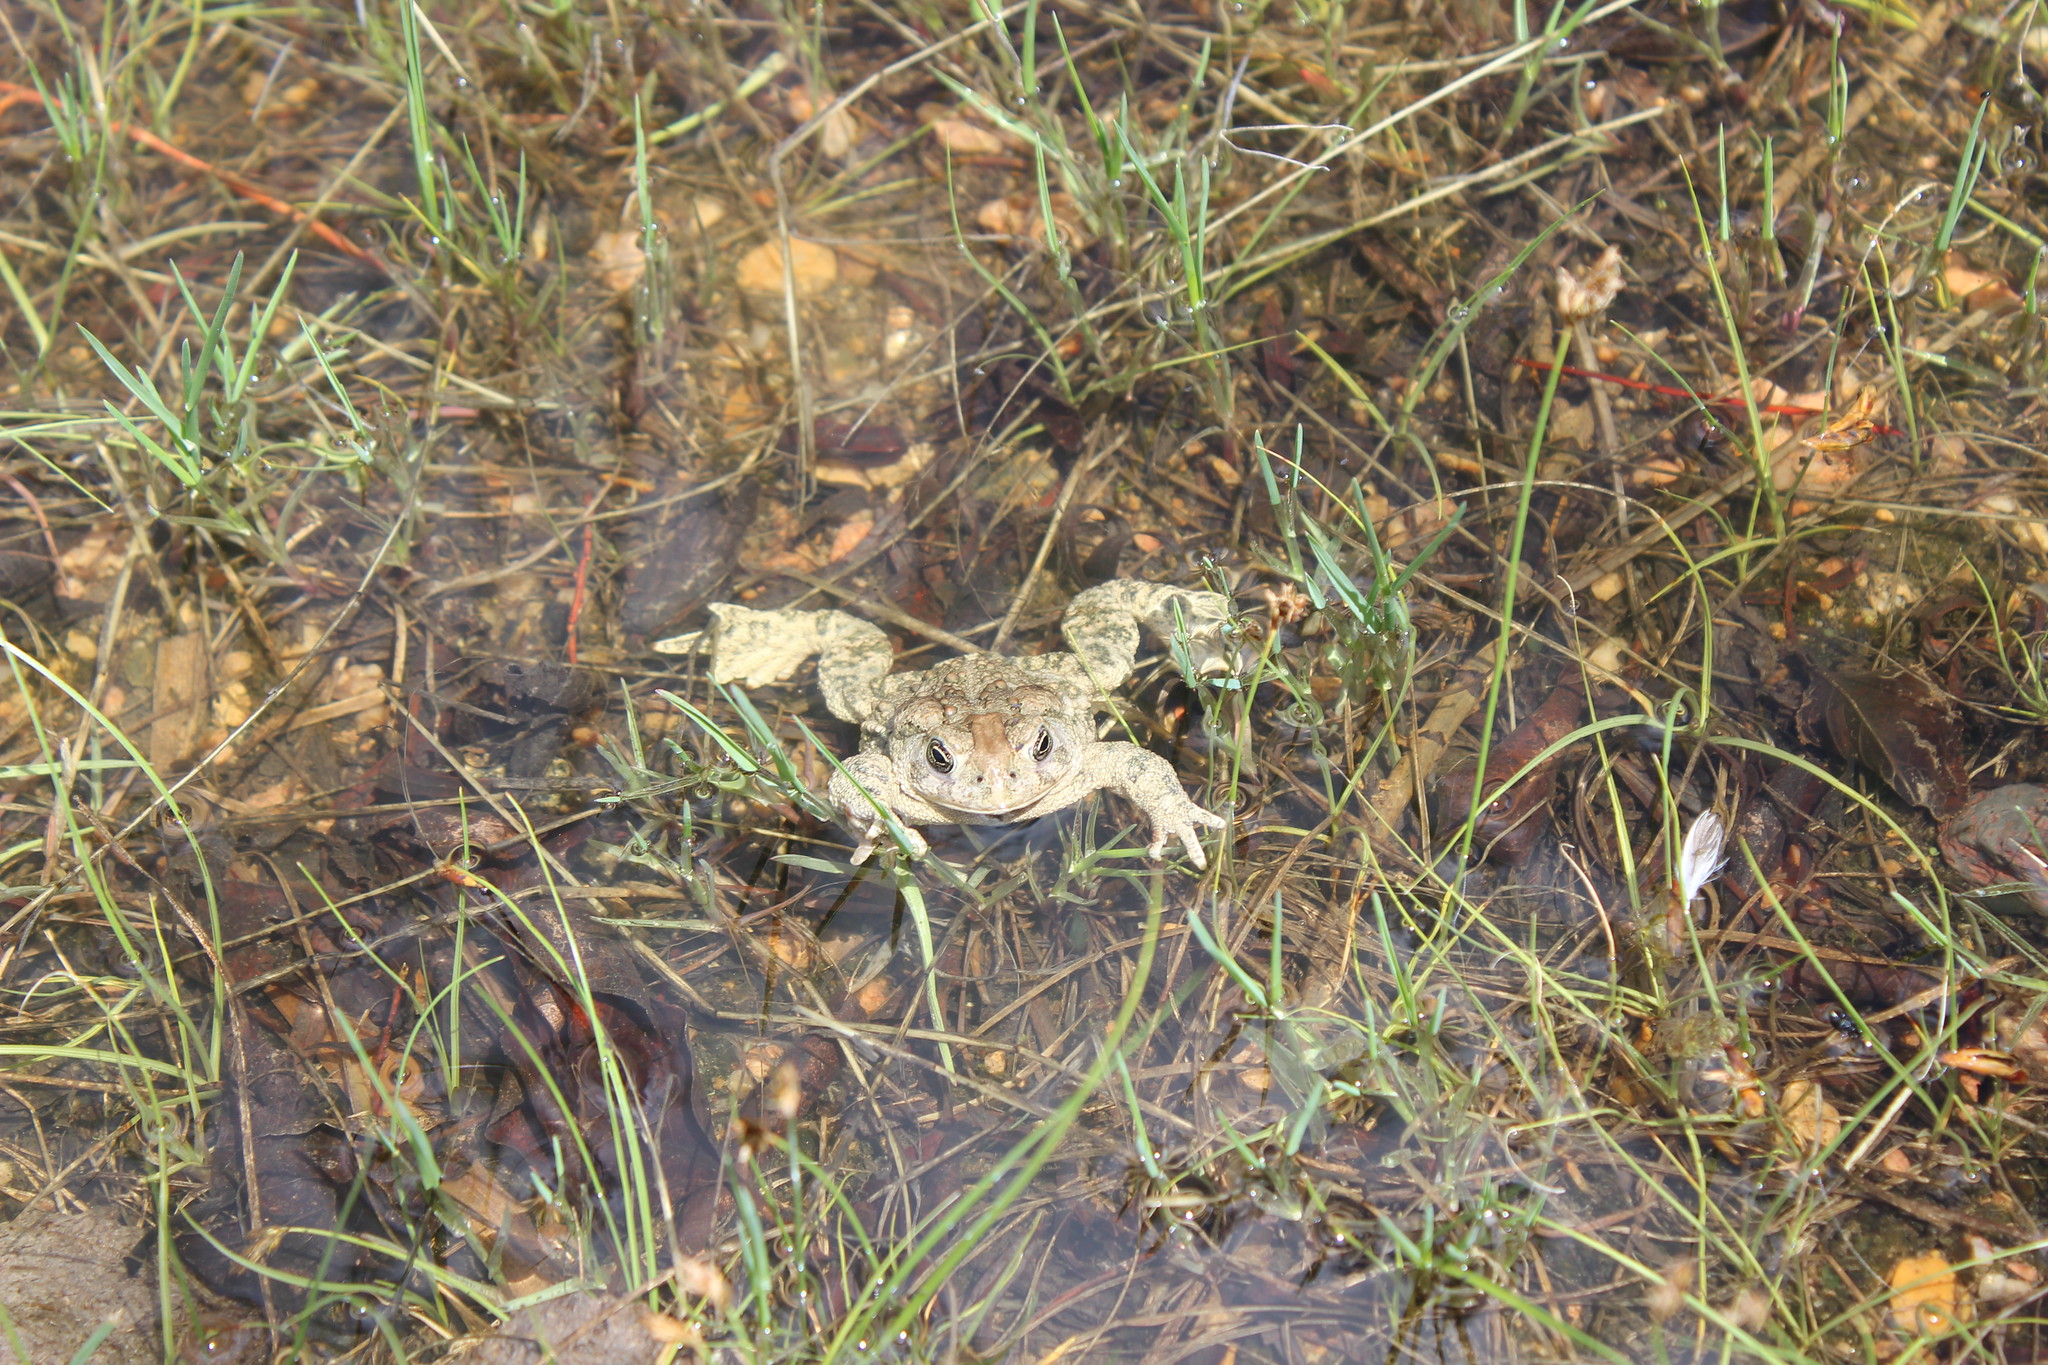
(938, 757)
(1501, 805)
(1041, 748)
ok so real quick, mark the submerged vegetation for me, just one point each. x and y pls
(1613, 425)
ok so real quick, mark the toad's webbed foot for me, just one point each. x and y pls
(1149, 782)
(1102, 626)
(1177, 820)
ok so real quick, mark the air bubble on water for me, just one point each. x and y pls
(2020, 161)
(1459, 312)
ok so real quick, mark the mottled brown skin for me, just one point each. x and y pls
(1510, 821)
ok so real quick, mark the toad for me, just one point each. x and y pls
(985, 739)
(2000, 836)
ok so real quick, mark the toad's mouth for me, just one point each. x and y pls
(993, 807)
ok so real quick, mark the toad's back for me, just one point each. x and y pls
(978, 684)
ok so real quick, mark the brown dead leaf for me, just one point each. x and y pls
(1977, 288)
(964, 138)
(181, 684)
(95, 559)
(1813, 1122)
(849, 535)
(702, 213)
(813, 268)
(1656, 471)
(744, 407)
(1899, 726)
(1009, 216)
(493, 1209)
(672, 1331)
(837, 134)
(699, 1278)
(619, 259)
(1815, 470)
(1022, 216)
(1572, 422)
(1414, 524)
(1924, 1296)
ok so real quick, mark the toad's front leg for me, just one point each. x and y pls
(866, 781)
(1149, 782)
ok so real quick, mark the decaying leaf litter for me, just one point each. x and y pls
(1615, 429)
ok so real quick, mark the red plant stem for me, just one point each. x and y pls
(11, 94)
(1780, 409)
(582, 587)
(41, 520)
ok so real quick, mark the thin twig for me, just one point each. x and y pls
(1045, 544)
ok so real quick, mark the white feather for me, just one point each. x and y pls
(1700, 861)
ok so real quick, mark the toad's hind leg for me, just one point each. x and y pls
(1102, 626)
(761, 647)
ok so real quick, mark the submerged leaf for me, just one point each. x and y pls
(1902, 728)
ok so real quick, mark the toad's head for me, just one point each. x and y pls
(996, 759)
